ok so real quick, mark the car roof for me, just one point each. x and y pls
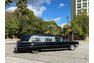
(40, 35)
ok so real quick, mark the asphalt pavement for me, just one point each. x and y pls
(79, 55)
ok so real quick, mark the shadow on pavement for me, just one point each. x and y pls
(45, 50)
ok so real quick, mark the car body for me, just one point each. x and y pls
(38, 42)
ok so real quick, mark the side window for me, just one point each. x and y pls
(49, 39)
(36, 39)
(59, 39)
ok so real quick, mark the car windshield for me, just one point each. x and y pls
(25, 38)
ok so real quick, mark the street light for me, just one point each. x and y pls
(68, 20)
(68, 25)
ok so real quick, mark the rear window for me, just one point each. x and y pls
(25, 38)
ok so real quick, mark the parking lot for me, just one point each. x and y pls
(79, 55)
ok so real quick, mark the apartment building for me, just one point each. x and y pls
(77, 6)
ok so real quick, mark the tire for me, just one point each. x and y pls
(72, 47)
(35, 51)
(77, 45)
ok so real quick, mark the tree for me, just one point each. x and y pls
(21, 8)
(52, 28)
(25, 18)
(11, 24)
(23, 21)
(7, 2)
(81, 25)
(66, 29)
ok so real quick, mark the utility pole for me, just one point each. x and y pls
(68, 25)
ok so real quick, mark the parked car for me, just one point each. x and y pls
(36, 43)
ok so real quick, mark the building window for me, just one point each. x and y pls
(78, 11)
(85, 10)
(84, 4)
(78, 5)
(78, 0)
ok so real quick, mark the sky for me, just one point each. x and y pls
(57, 10)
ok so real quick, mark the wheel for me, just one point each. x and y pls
(72, 47)
(35, 51)
(77, 45)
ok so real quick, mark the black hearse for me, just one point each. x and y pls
(36, 43)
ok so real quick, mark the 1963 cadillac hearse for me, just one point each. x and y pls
(35, 43)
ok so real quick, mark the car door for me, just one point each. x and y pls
(60, 43)
(49, 42)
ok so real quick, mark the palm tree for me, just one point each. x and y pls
(7, 2)
(21, 7)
